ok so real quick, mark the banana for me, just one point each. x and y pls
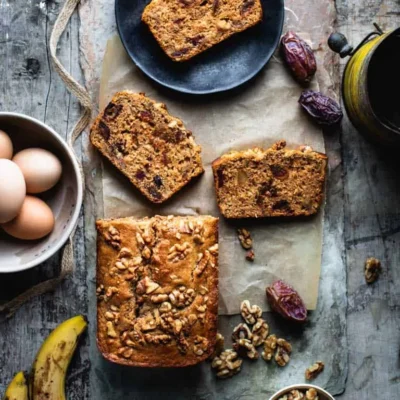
(17, 389)
(52, 360)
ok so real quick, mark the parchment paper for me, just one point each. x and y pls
(258, 114)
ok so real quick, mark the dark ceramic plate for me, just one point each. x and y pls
(223, 67)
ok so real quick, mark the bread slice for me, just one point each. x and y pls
(185, 28)
(276, 182)
(148, 145)
(157, 290)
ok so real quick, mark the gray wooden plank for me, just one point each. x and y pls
(28, 84)
(372, 225)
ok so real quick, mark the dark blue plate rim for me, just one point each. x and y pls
(234, 85)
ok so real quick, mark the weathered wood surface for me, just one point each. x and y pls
(369, 199)
(29, 85)
(372, 228)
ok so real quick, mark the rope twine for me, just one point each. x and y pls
(67, 259)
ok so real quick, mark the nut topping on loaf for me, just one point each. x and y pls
(185, 28)
(156, 306)
(148, 145)
(276, 182)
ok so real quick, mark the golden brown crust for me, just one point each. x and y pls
(185, 28)
(157, 290)
(276, 182)
(149, 146)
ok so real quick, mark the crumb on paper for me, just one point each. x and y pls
(250, 255)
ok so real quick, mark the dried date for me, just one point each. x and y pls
(112, 111)
(299, 57)
(321, 108)
(247, 6)
(104, 130)
(286, 301)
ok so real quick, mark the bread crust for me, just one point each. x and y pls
(152, 148)
(276, 182)
(139, 303)
(185, 28)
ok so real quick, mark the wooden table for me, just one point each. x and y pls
(367, 192)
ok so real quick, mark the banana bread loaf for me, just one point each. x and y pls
(185, 28)
(157, 290)
(276, 182)
(148, 145)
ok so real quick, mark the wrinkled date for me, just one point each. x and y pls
(320, 107)
(299, 57)
(286, 301)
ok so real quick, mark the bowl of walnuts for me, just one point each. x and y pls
(302, 392)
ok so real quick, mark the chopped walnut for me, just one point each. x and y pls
(312, 394)
(315, 369)
(182, 297)
(250, 313)
(111, 290)
(178, 252)
(219, 346)
(157, 339)
(112, 237)
(293, 395)
(250, 256)
(202, 263)
(146, 286)
(372, 269)
(245, 238)
(241, 331)
(110, 330)
(269, 348)
(214, 249)
(100, 292)
(245, 348)
(165, 307)
(200, 345)
(159, 298)
(283, 352)
(260, 332)
(227, 364)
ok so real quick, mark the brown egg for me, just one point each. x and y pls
(6, 147)
(34, 221)
(12, 190)
(41, 169)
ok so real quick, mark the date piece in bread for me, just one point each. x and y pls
(157, 290)
(147, 144)
(276, 182)
(185, 28)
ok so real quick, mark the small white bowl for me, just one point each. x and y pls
(65, 199)
(322, 394)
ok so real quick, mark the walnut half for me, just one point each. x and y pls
(250, 313)
(315, 369)
(372, 269)
(227, 364)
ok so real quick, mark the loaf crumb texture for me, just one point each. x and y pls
(157, 290)
(185, 28)
(147, 144)
(276, 182)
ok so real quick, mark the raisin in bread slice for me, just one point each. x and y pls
(185, 28)
(276, 182)
(148, 145)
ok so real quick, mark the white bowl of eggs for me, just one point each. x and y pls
(40, 192)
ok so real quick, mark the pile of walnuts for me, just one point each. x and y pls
(246, 338)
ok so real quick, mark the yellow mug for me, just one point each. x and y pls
(371, 84)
